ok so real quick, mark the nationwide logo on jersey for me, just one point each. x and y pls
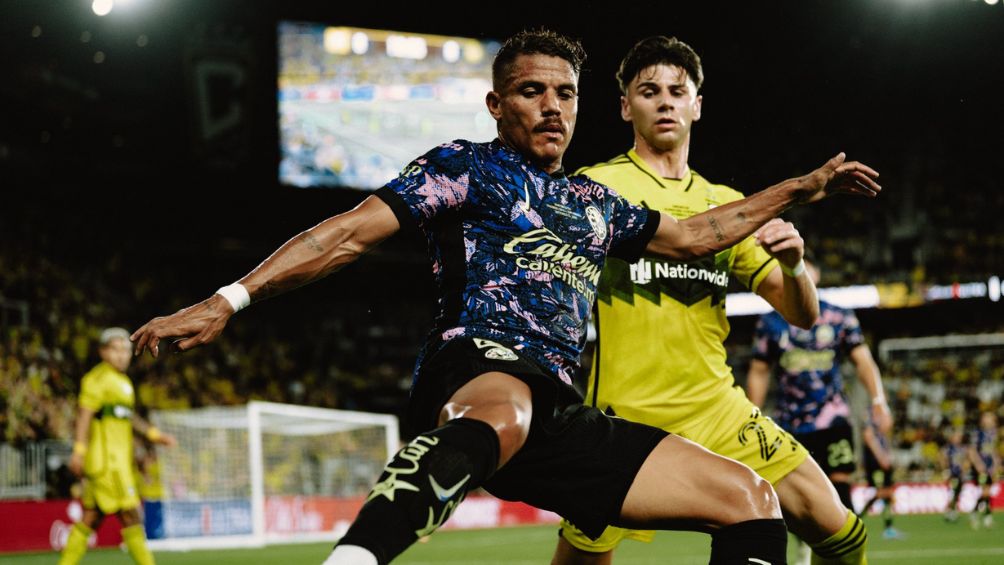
(686, 282)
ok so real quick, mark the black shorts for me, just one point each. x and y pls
(878, 477)
(832, 448)
(576, 462)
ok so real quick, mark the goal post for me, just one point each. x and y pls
(244, 476)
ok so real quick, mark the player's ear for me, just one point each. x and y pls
(697, 107)
(625, 109)
(494, 102)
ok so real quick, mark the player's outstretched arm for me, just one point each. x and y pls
(727, 225)
(307, 257)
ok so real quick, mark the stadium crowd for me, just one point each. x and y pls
(339, 363)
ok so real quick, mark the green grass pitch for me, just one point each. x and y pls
(929, 540)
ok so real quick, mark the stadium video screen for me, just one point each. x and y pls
(356, 105)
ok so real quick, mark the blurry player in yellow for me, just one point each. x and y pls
(659, 356)
(103, 450)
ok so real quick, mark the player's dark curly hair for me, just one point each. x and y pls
(533, 42)
(659, 50)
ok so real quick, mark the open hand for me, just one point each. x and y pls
(838, 176)
(193, 326)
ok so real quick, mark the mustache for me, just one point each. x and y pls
(548, 124)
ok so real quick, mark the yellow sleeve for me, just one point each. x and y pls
(90, 393)
(752, 264)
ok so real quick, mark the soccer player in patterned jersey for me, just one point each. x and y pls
(103, 450)
(878, 473)
(517, 248)
(985, 457)
(955, 462)
(811, 404)
(659, 357)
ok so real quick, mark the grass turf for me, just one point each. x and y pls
(929, 540)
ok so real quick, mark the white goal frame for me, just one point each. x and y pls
(316, 420)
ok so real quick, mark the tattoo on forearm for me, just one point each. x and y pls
(741, 216)
(266, 290)
(719, 235)
(312, 242)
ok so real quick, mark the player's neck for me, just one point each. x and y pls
(668, 163)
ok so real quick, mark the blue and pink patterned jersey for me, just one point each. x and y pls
(516, 251)
(956, 456)
(985, 442)
(808, 365)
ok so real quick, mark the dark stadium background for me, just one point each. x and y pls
(109, 191)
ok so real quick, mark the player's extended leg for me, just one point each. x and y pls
(134, 537)
(814, 512)
(682, 485)
(76, 543)
(482, 426)
(951, 512)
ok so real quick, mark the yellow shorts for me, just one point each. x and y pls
(735, 428)
(110, 492)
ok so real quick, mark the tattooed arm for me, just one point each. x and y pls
(307, 257)
(727, 225)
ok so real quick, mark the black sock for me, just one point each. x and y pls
(887, 513)
(844, 492)
(764, 540)
(984, 504)
(422, 485)
(868, 506)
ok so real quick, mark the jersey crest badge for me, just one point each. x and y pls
(595, 218)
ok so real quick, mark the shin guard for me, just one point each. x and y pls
(422, 485)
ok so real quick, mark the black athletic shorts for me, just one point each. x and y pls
(877, 476)
(576, 462)
(832, 448)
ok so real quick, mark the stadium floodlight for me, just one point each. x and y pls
(102, 7)
(245, 476)
(991, 2)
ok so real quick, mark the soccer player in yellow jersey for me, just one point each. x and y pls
(103, 450)
(659, 356)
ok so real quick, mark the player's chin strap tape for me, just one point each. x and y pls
(422, 486)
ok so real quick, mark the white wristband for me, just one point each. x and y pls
(880, 399)
(236, 295)
(793, 271)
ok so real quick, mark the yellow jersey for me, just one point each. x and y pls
(659, 356)
(109, 393)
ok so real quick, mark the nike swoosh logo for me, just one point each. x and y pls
(759, 561)
(525, 205)
(444, 494)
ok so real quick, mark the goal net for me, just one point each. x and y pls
(266, 472)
